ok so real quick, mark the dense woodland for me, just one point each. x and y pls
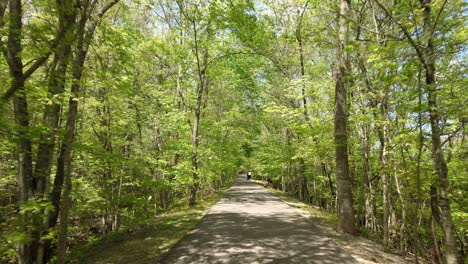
(113, 111)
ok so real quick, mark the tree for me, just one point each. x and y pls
(427, 58)
(343, 180)
(85, 34)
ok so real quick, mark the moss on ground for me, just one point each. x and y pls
(147, 243)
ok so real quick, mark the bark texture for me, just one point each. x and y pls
(438, 159)
(343, 181)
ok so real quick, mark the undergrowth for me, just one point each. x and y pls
(144, 242)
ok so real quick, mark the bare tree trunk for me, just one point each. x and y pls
(45, 153)
(418, 166)
(330, 181)
(64, 162)
(402, 230)
(56, 85)
(305, 184)
(439, 162)
(384, 175)
(368, 196)
(435, 218)
(63, 226)
(301, 60)
(201, 66)
(25, 176)
(343, 180)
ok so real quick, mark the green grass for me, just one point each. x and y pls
(148, 243)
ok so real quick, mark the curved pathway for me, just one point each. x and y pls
(250, 225)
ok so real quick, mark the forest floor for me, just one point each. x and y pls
(250, 224)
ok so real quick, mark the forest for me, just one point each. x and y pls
(113, 111)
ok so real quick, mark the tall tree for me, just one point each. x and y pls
(30, 185)
(200, 28)
(344, 183)
(427, 57)
(86, 27)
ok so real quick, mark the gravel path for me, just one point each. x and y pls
(252, 226)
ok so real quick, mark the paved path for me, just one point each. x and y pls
(252, 226)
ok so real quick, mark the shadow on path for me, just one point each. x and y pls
(251, 225)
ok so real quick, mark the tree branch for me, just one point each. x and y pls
(92, 27)
(438, 16)
(41, 60)
(11, 91)
(299, 26)
(106, 8)
(407, 34)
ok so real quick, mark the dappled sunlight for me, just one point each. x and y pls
(250, 225)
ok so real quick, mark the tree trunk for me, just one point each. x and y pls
(84, 36)
(303, 186)
(25, 180)
(330, 181)
(301, 60)
(418, 167)
(45, 153)
(201, 90)
(383, 173)
(438, 160)
(64, 163)
(196, 126)
(370, 222)
(64, 210)
(56, 85)
(304, 190)
(402, 230)
(435, 218)
(343, 181)
(25, 176)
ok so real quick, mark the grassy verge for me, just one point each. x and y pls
(148, 243)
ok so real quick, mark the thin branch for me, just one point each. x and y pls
(106, 8)
(407, 34)
(414, 17)
(92, 27)
(299, 26)
(451, 135)
(11, 91)
(41, 60)
(438, 16)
